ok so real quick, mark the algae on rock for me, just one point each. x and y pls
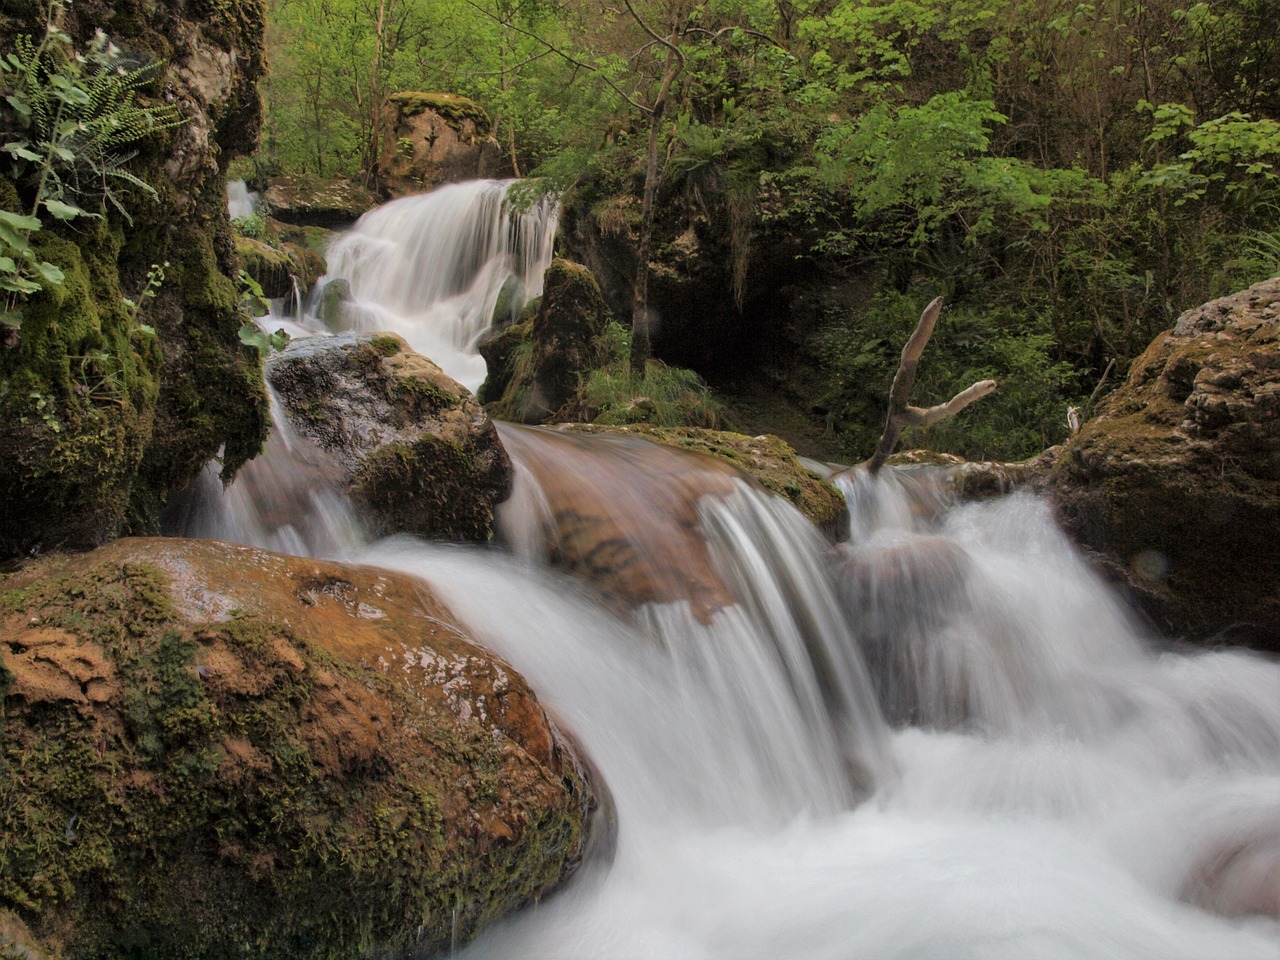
(106, 410)
(214, 751)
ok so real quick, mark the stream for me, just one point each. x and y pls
(945, 737)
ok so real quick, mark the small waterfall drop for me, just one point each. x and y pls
(435, 267)
(241, 201)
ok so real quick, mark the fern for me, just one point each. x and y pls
(70, 117)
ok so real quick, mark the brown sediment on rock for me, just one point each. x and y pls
(213, 749)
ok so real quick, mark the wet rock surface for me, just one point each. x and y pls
(213, 750)
(419, 453)
(1176, 481)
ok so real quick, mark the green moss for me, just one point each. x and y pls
(191, 817)
(84, 388)
(385, 346)
(448, 105)
(77, 402)
(425, 488)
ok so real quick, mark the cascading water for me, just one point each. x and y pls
(435, 267)
(1049, 784)
(241, 201)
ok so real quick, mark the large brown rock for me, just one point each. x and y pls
(435, 138)
(1177, 479)
(418, 452)
(212, 751)
(308, 200)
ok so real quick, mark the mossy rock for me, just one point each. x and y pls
(77, 404)
(1177, 479)
(418, 452)
(107, 408)
(213, 751)
(314, 201)
(451, 106)
(530, 384)
(277, 267)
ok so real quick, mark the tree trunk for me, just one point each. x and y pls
(640, 346)
(901, 414)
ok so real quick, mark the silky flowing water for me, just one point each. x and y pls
(944, 737)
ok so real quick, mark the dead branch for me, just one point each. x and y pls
(901, 414)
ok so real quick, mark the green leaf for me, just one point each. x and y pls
(16, 284)
(19, 221)
(66, 211)
(51, 273)
(13, 239)
(19, 149)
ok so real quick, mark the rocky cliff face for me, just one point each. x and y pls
(1177, 479)
(214, 751)
(107, 408)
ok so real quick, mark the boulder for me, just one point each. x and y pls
(418, 452)
(278, 266)
(212, 751)
(307, 200)
(562, 346)
(1176, 481)
(435, 138)
(623, 508)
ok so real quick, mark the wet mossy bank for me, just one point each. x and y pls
(115, 390)
(213, 751)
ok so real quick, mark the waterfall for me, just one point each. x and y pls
(435, 268)
(944, 736)
(241, 201)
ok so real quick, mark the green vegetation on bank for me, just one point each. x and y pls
(1070, 176)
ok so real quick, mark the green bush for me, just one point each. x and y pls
(664, 397)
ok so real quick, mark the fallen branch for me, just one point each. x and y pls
(901, 414)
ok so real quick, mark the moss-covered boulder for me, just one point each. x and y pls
(278, 266)
(435, 138)
(122, 382)
(1177, 479)
(419, 453)
(307, 200)
(213, 751)
(540, 362)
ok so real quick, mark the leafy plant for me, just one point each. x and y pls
(665, 396)
(155, 280)
(253, 226)
(70, 116)
(254, 303)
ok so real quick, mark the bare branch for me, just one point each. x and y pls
(901, 414)
(1098, 389)
(917, 417)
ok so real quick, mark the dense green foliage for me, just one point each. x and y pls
(1070, 176)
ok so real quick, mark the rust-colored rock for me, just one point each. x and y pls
(213, 750)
